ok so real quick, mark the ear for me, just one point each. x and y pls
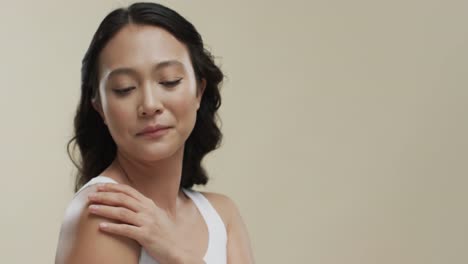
(200, 91)
(98, 107)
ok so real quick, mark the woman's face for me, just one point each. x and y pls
(146, 79)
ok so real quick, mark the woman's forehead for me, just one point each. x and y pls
(141, 45)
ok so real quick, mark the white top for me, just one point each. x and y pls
(217, 235)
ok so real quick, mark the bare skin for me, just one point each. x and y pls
(153, 166)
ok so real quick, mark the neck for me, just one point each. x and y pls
(157, 180)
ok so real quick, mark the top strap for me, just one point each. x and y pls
(217, 234)
(95, 180)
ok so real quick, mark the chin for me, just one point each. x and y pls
(156, 152)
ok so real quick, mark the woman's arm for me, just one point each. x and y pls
(239, 248)
(81, 241)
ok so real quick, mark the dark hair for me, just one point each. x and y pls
(91, 135)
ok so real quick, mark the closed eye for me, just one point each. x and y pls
(171, 83)
(123, 91)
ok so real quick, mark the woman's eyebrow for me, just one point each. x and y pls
(157, 67)
(164, 64)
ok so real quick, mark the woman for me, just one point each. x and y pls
(147, 117)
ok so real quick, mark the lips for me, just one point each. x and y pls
(152, 129)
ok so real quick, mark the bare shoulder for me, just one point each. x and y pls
(81, 241)
(224, 205)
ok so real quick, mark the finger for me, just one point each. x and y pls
(116, 199)
(116, 213)
(129, 231)
(123, 188)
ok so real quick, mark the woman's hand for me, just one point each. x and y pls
(142, 220)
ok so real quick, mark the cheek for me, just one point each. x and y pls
(184, 109)
(118, 116)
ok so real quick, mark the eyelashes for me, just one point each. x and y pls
(123, 91)
(169, 84)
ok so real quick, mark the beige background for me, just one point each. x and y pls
(345, 124)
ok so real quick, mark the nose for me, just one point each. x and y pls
(150, 102)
